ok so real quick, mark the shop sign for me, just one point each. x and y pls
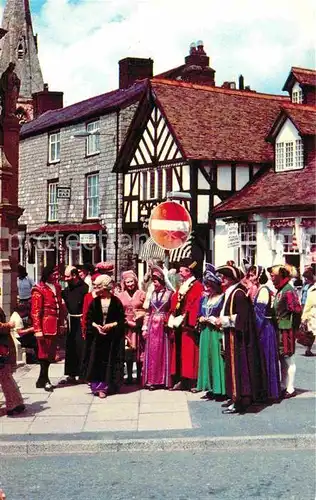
(88, 239)
(233, 235)
(63, 193)
(277, 223)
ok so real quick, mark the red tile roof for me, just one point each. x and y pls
(301, 115)
(303, 76)
(273, 190)
(212, 123)
(95, 106)
(278, 190)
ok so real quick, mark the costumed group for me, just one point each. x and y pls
(231, 337)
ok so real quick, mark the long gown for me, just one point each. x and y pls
(268, 340)
(211, 363)
(156, 369)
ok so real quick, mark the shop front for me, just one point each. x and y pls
(62, 245)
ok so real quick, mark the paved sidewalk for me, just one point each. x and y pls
(73, 412)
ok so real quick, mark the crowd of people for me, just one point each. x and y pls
(230, 336)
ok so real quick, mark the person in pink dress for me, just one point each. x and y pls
(156, 369)
(133, 299)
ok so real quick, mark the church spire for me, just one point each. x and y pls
(19, 45)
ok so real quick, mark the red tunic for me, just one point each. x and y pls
(185, 350)
(47, 317)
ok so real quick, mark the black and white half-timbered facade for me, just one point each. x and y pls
(197, 139)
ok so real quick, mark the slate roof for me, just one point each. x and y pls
(95, 106)
(303, 76)
(212, 123)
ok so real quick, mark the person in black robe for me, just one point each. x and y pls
(73, 297)
(245, 369)
(104, 347)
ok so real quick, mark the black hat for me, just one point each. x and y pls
(188, 263)
(231, 272)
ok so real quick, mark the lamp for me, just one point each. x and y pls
(178, 195)
(84, 134)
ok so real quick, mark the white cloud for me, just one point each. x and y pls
(81, 42)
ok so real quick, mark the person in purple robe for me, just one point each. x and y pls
(267, 334)
(156, 368)
(244, 363)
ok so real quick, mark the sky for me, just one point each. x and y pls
(81, 41)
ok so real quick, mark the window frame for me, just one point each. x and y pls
(56, 159)
(247, 243)
(88, 198)
(52, 183)
(93, 139)
(289, 155)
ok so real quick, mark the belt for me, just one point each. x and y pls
(75, 315)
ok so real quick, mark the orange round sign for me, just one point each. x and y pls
(170, 225)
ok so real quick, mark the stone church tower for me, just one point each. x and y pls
(19, 45)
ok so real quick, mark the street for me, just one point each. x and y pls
(269, 475)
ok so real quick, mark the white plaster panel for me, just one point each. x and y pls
(288, 133)
(203, 207)
(224, 177)
(242, 176)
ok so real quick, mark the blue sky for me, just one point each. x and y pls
(81, 41)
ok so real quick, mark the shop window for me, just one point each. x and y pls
(248, 239)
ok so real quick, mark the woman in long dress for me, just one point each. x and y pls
(211, 377)
(266, 330)
(104, 340)
(133, 299)
(156, 369)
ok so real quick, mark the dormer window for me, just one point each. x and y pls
(297, 94)
(289, 155)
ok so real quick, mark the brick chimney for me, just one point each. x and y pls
(197, 69)
(132, 69)
(46, 100)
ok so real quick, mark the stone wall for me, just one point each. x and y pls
(71, 170)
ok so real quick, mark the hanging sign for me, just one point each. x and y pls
(233, 235)
(170, 225)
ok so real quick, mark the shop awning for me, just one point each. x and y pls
(150, 250)
(69, 228)
(183, 252)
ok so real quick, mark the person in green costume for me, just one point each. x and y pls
(211, 376)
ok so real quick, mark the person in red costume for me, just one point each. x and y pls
(185, 304)
(48, 321)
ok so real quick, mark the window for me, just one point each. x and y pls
(52, 202)
(248, 238)
(54, 147)
(289, 155)
(297, 96)
(288, 244)
(92, 196)
(93, 140)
